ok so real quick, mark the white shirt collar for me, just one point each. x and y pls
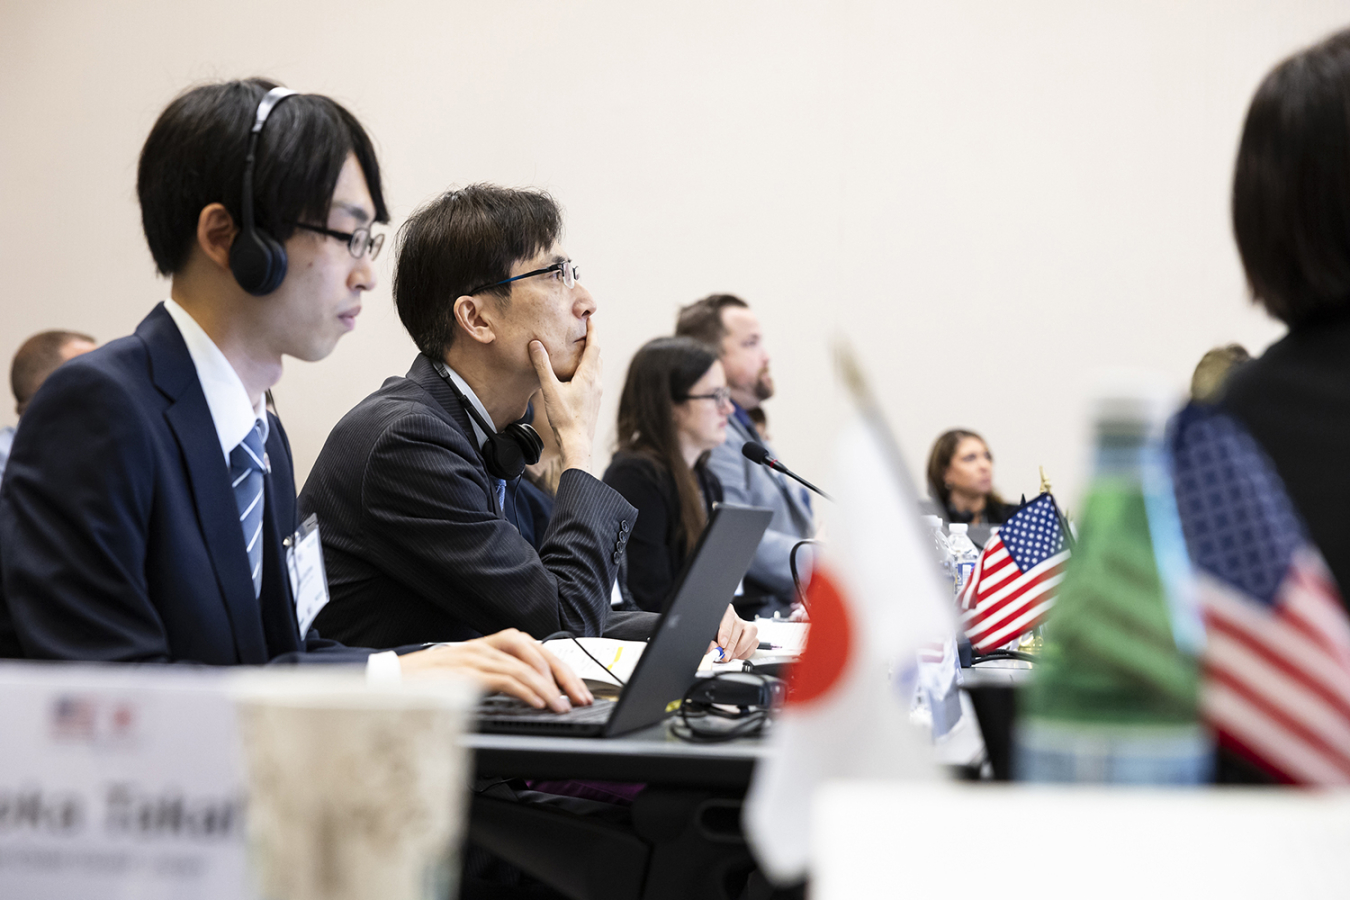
(467, 391)
(232, 412)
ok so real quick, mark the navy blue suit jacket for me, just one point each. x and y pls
(119, 532)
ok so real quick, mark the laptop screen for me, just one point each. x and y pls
(701, 596)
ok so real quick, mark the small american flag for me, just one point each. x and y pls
(73, 718)
(1014, 583)
(1277, 658)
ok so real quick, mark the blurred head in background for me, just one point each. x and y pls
(725, 323)
(38, 357)
(961, 479)
(1291, 186)
(1213, 370)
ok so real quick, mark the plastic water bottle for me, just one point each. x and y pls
(933, 525)
(963, 554)
(1116, 697)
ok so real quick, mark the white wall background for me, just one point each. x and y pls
(987, 199)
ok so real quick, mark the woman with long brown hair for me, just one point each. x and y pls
(961, 480)
(672, 412)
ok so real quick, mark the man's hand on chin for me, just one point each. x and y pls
(573, 406)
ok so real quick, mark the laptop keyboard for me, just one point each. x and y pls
(503, 707)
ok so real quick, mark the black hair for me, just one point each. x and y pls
(460, 241)
(660, 375)
(195, 153)
(1291, 185)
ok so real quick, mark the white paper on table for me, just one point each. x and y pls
(612, 658)
(788, 636)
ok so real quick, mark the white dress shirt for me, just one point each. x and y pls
(467, 391)
(233, 413)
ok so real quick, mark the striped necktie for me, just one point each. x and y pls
(246, 476)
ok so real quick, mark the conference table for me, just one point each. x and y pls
(652, 755)
(686, 830)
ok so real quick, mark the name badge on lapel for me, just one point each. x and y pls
(309, 581)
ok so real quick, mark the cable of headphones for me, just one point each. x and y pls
(752, 719)
(505, 453)
(558, 635)
(792, 565)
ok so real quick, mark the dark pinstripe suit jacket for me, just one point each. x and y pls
(417, 549)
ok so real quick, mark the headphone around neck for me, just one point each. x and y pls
(257, 259)
(506, 453)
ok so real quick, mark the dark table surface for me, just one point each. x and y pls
(652, 755)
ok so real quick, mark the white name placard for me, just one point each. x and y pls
(119, 782)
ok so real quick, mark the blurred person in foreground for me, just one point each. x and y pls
(37, 358)
(961, 480)
(672, 413)
(1291, 219)
(1211, 373)
(726, 324)
(149, 489)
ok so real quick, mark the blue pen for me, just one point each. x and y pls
(721, 655)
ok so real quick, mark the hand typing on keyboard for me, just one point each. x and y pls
(509, 662)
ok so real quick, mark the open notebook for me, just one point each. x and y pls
(611, 662)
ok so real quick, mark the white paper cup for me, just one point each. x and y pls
(356, 791)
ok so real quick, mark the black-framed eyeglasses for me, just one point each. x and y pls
(566, 267)
(718, 395)
(359, 242)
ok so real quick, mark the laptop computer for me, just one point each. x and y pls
(668, 665)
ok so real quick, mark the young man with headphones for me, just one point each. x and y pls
(148, 511)
(411, 484)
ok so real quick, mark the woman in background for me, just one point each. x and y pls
(672, 412)
(961, 480)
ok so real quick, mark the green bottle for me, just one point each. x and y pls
(1115, 699)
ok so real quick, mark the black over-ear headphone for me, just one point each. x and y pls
(257, 259)
(505, 453)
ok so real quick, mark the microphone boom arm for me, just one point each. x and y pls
(775, 464)
(758, 453)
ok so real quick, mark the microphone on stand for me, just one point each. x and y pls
(758, 453)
